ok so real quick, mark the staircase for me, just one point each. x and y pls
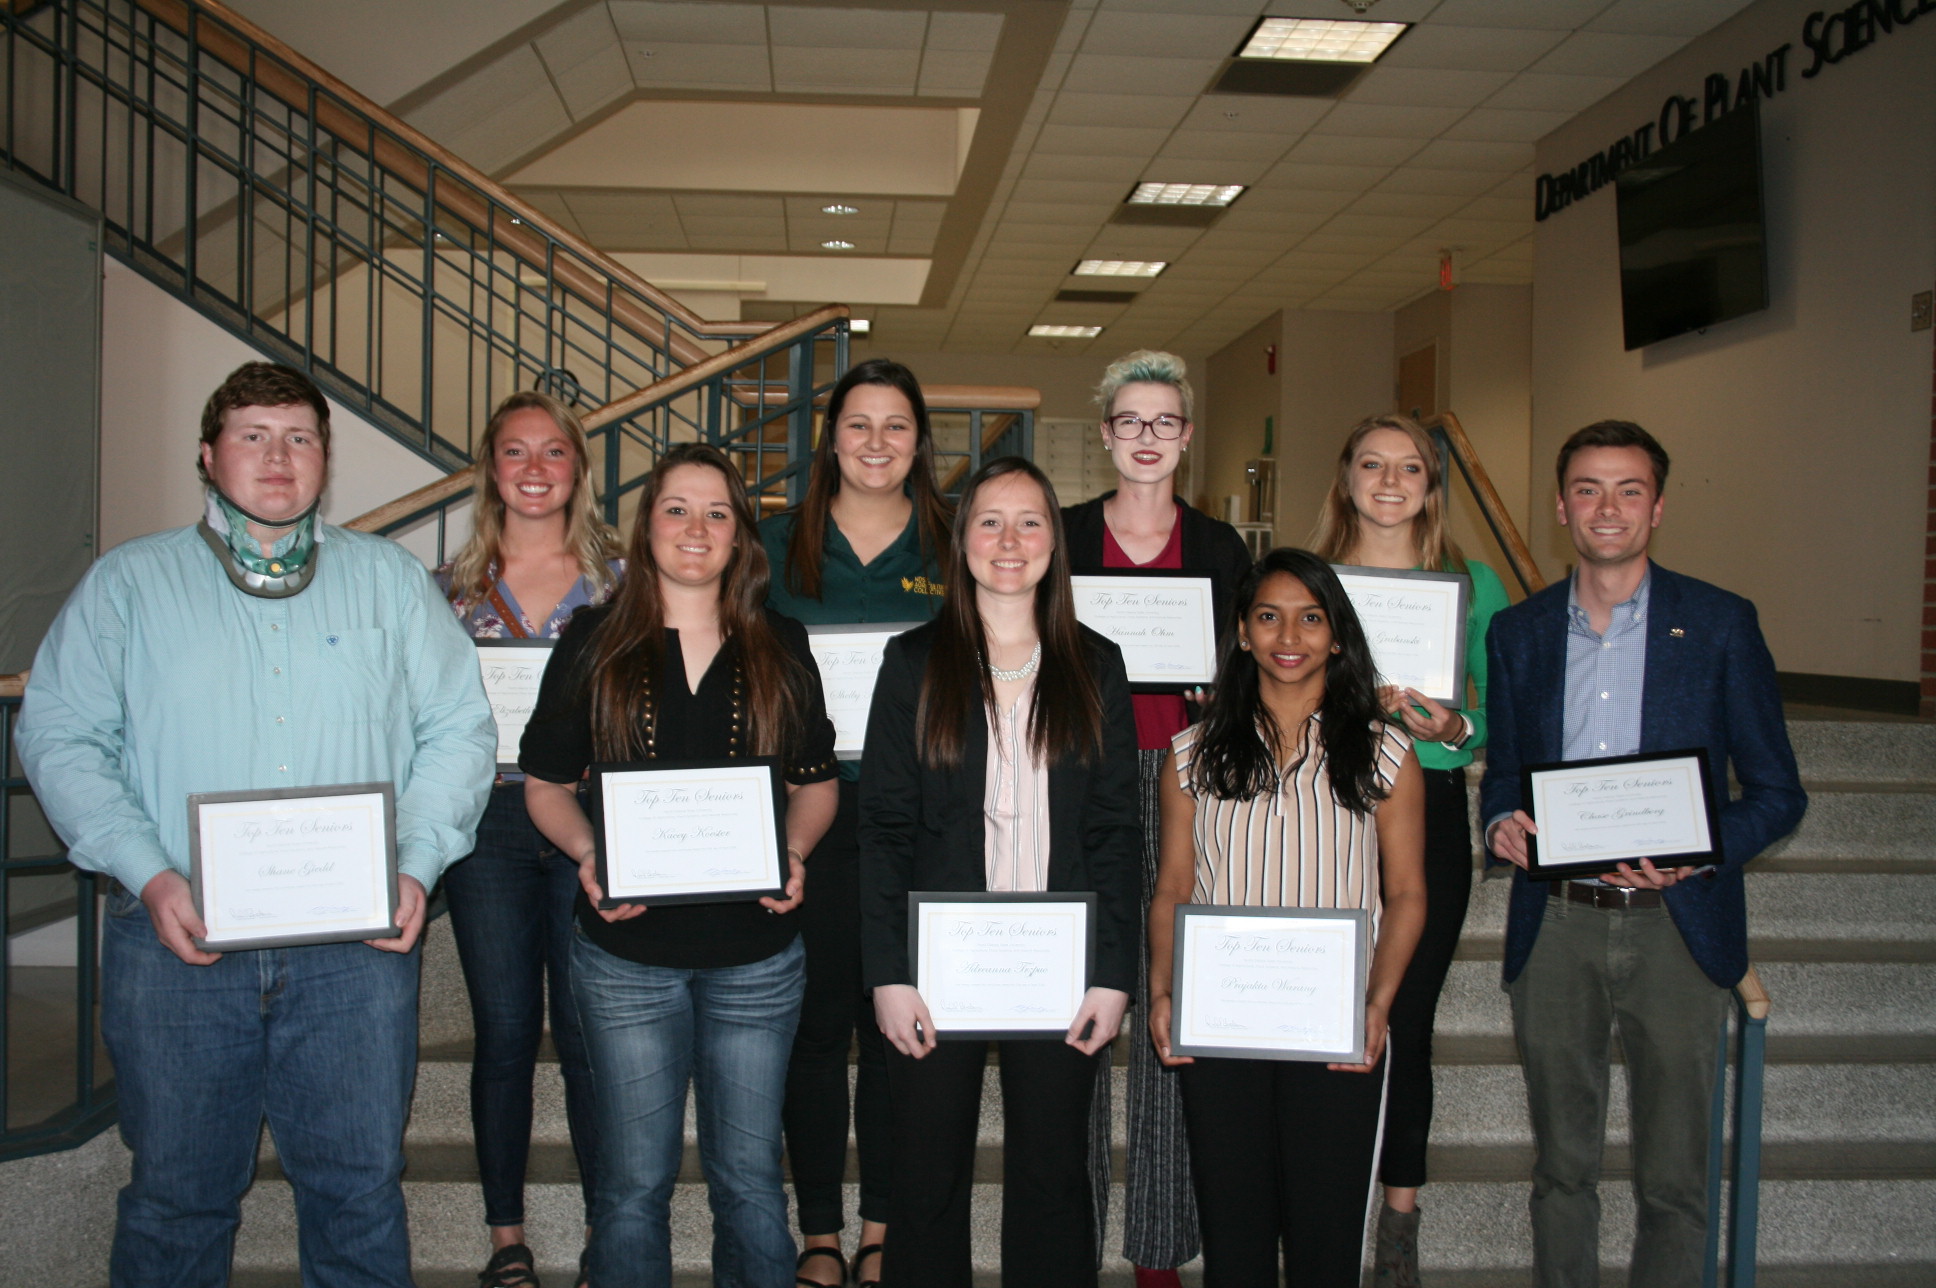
(1843, 932)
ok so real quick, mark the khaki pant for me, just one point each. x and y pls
(1593, 971)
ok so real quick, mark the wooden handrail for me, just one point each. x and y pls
(1754, 995)
(286, 84)
(1490, 504)
(13, 686)
(678, 382)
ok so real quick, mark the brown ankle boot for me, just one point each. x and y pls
(1395, 1258)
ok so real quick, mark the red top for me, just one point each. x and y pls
(1159, 716)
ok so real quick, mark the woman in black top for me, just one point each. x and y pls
(685, 664)
(1000, 756)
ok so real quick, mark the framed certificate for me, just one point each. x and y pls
(1594, 815)
(690, 831)
(1270, 983)
(1415, 622)
(1164, 621)
(310, 865)
(1001, 965)
(849, 658)
(512, 671)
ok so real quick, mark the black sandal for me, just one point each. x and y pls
(800, 1263)
(511, 1266)
(861, 1254)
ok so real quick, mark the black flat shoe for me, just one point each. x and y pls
(801, 1264)
(511, 1266)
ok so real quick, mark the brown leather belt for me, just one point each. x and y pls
(1604, 896)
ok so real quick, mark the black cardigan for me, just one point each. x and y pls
(1209, 546)
(922, 828)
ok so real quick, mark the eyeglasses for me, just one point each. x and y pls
(1128, 426)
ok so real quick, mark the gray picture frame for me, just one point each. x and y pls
(1179, 995)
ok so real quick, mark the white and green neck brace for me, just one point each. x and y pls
(285, 570)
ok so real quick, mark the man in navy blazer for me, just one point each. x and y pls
(1626, 657)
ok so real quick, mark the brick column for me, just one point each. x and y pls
(1929, 554)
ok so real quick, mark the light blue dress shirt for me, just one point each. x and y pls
(159, 679)
(1606, 677)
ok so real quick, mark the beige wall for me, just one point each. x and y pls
(160, 360)
(1067, 381)
(1799, 434)
(1337, 370)
(1234, 396)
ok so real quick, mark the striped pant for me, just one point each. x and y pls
(1159, 1205)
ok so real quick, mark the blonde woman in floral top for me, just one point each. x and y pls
(538, 552)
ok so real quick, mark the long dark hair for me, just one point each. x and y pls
(623, 655)
(1066, 723)
(808, 544)
(1232, 761)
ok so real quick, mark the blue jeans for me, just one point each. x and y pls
(650, 1030)
(321, 1040)
(511, 915)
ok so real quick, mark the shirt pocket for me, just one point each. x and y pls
(356, 680)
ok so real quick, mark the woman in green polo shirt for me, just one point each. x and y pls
(1387, 509)
(866, 544)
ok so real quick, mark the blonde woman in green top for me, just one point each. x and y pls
(1387, 509)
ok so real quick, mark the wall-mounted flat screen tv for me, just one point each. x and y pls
(1693, 249)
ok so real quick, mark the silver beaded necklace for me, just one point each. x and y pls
(1022, 672)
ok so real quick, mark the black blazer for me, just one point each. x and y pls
(1209, 545)
(922, 828)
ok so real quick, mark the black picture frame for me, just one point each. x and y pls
(776, 889)
(1453, 695)
(1537, 871)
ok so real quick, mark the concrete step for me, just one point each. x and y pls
(1863, 824)
(1811, 1231)
(1865, 750)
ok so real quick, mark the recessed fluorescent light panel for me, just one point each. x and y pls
(859, 326)
(1321, 40)
(1120, 267)
(1065, 332)
(839, 208)
(1185, 194)
(836, 244)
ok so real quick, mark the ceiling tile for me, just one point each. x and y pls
(1682, 18)
(1067, 190)
(1556, 15)
(1345, 242)
(914, 242)
(954, 73)
(836, 70)
(1189, 169)
(503, 113)
(1599, 53)
(1501, 126)
(848, 29)
(553, 205)
(692, 66)
(1426, 87)
(729, 205)
(1376, 120)
(1086, 214)
(1338, 178)
(1115, 241)
(1498, 231)
(1479, 49)
(1460, 183)
(748, 243)
(1166, 35)
(1222, 145)
(1344, 149)
(693, 24)
(1545, 92)
(1468, 154)
(1315, 260)
(964, 31)
(1069, 165)
(1411, 205)
(1130, 74)
(1256, 113)
(1158, 111)
(1496, 208)
(1099, 140)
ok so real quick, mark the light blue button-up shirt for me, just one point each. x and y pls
(1606, 677)
(160, 679)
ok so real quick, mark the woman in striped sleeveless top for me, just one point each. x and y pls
(1292, 792)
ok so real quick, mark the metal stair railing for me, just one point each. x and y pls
(58, 1123)
(1734, 1156)
(304, 218)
